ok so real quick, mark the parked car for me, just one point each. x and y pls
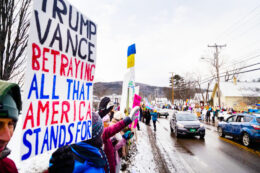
(245, 127)
(186, 123)
(163, 112)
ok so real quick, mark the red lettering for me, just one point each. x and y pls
(81, 73)
(77, 65)
(29, 116)
(92, 76)
(44, 59)
(74, 111)
(36, 53)
(87, 71)
(81, 103)
(54, 112)
(54, 53)
(88, 112)
(64, 111)
(42, 108)
(70, 69)
(63, 64)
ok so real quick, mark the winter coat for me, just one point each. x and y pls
(108, 146)
(6, 164)
(88, 158)
(154, 116)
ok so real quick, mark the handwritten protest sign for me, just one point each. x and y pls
(59, 78)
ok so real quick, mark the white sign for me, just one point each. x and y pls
(58, 93)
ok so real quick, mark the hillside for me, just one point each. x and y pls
(108, 88)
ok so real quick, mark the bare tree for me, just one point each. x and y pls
(14, 25)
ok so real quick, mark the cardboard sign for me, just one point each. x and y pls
(136, 102)
(60, 71)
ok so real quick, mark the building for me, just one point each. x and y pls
(236, 94)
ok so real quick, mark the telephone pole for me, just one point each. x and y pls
(172, 88)
(216, 64)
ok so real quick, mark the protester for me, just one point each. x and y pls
(111, 131)
(106, 110)
(154, 118)
(82, 157)
(148, 117)
(10, 107)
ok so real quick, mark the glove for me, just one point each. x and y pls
(62, 161)
(128, 135)
(133, 112)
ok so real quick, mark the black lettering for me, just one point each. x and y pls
(79, 50)
(90, 45)
(38, 26)
(57, 36)
(70, 42)
(44, 3)
(82, 24)
(58, 11)
(75, 28)
(92, 32)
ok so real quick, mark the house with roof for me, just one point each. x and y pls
(236, 94)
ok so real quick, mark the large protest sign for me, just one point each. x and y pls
(60, 71)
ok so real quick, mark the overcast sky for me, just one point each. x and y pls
(172, 36)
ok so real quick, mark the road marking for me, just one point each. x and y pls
(241, 146)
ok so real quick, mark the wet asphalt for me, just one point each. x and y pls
(210, 155)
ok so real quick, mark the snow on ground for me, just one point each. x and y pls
(143, 160)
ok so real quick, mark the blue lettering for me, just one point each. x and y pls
(42, 96)
(88, 131)
(70, 133)
(75, 90)
(54, 88)
(45, 141)
(27, 144)
(82, 92)
(36, 131)
(62, 128)
(69, 81)
(88, 85)
(54, 136)
(84, 124)
(78, 130)
(34, 87)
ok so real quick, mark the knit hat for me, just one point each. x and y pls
(10, 100)
(97, 125)
(119, 115)
(105, 106)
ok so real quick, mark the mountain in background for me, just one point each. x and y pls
(108, 88)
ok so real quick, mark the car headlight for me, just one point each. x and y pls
(201, 125)
(180, 125)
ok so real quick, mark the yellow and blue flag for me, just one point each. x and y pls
(131, 56)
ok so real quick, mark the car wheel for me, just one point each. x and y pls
(220, 132)
(176, 133)
(246, 139)
(202, 136)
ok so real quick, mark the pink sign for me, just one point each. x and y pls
(136, 102)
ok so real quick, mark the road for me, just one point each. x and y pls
(191, 154)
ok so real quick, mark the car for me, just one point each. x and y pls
(162, 112)
(186, 123)
(245, 127)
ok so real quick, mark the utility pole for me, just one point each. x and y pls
(172, 88)
(216, 61)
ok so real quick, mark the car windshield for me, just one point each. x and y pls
(186, 117)
(258, 120)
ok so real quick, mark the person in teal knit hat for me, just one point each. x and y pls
(10, 107)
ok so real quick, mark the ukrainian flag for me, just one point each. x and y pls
(131, 56)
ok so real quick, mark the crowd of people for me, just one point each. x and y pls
(111, 131)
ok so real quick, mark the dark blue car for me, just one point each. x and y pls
(243, 126)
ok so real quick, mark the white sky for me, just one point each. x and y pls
(172, 36)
